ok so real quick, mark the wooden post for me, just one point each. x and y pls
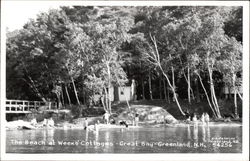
(23, 106)
(15, 105)
(28, 104)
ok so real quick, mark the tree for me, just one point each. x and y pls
(105, 33)
(88, 50)
(154, 21)
(233, 23)
(230, 65)
(38, 52)
(210, 50)
(184, 36)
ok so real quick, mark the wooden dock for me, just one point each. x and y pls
(23, 106)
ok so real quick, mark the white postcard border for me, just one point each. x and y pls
(169, 156)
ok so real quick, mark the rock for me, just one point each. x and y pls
(158, 114)
(149, 114)
(170, 119)
(91, 121)
(19, 124)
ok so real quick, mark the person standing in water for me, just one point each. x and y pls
(97, 125)
(195, 120)
(45, 122)
(203, 118)
(136, 119)
(85, 124)
(50, 122)
(106, 117)
(206, 118)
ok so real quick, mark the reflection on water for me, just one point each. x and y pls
(195, 134)
(189, 139)
(47, 134)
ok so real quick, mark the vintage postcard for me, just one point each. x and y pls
(125, 80)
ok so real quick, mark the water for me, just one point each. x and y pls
(190, 139)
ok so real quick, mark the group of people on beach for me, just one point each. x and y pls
(45, 123)
(49, 122)
(108, 120)
(204, 118)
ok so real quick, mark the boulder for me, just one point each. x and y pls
(170, 119)
(150, 114)
(19, 124)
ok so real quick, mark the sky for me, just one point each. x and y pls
(16, 13)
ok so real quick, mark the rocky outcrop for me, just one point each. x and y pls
(148, 114)
(19, 124)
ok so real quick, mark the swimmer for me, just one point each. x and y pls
(207, 119)
(203, 118)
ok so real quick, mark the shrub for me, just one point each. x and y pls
(92, 112)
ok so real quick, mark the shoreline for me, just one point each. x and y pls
(23, 125)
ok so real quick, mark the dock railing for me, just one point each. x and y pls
(24, 106)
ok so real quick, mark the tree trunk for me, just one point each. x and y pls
(109, 100)
(67, 93)
(239, 94)
(143, 89)
(77, 99)
(157, 59)
(213, 96)
(33, 87)
(106, 99)
(187, 78)
(150, 87)
(63, 103)
(229, 93)
(165, 92)
(109, 87)
(160, 87)
(169, 101)
(198, 99)
(235, 96)
(208, 100)
(173, 85)
(173, 82)
(59, 103)
(103, 102)
(189, 86)
(173, 90)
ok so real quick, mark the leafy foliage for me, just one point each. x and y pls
(90, 49)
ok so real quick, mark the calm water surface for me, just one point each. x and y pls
(190, 139)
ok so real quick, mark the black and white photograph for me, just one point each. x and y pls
(125, 78)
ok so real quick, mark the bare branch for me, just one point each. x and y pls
(156, 54)
(239, 94)
(182, 46)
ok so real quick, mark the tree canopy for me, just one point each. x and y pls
(73, 53)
